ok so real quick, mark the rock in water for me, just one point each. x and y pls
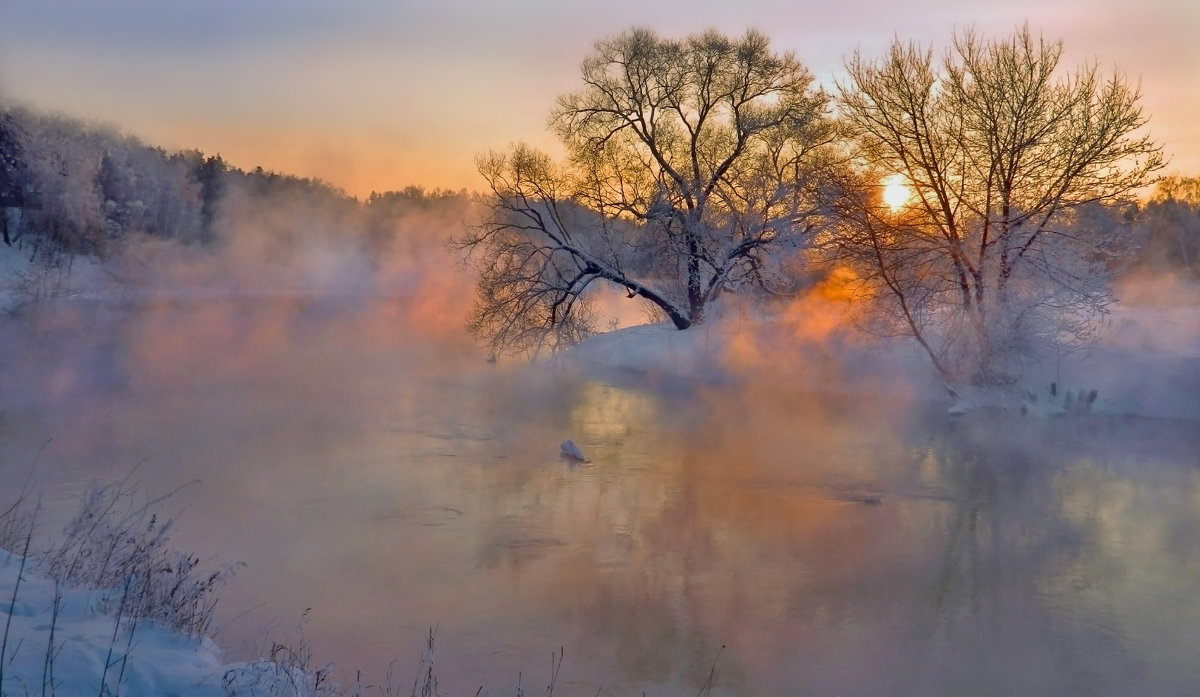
(572, 451)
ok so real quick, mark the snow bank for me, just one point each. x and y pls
(1146, 363)
(754, 353)
(86, 641)
(92, 655)
(24, 281)
(650, 352)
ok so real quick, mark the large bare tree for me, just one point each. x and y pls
(988, 261)
(689, 172)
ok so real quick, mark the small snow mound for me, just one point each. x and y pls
(658, 350)
(572, 451)
(142, 657)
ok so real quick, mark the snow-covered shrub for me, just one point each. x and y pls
(114, 542)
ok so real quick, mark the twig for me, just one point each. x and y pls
(712, 676)
(51, 651)
(555, 666)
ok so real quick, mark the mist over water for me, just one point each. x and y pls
(327, 422)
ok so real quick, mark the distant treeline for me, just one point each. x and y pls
(69, 187)
(1167, 227)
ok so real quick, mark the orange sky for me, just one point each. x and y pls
(376, 96)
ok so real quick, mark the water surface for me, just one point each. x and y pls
(377, 481)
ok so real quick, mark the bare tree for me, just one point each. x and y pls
(690, 172)
(986, 262)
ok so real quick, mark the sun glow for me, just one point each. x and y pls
(895, 192)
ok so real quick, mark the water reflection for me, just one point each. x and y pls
(391, 486)
(753, 533)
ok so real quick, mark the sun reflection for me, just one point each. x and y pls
(895, 192)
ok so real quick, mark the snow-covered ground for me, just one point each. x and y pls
(62, 642)
(14, 264)
(1145, 363)
(23, 281)
(67, 654)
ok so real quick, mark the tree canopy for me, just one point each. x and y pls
(1000, 150)
(690, 162)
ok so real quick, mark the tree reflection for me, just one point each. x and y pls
(739, 521)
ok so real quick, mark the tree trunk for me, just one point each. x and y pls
(694, 287)
(677, 319)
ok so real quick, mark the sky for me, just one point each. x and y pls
(377, 95)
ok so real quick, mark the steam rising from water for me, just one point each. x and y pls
(354, 447)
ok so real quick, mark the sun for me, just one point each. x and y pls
(895, 192)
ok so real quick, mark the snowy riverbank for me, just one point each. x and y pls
(62, 644)
(70, 643)
(1146, 363)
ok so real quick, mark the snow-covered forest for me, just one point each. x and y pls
(71, 190)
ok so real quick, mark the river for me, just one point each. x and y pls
(378, 481)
